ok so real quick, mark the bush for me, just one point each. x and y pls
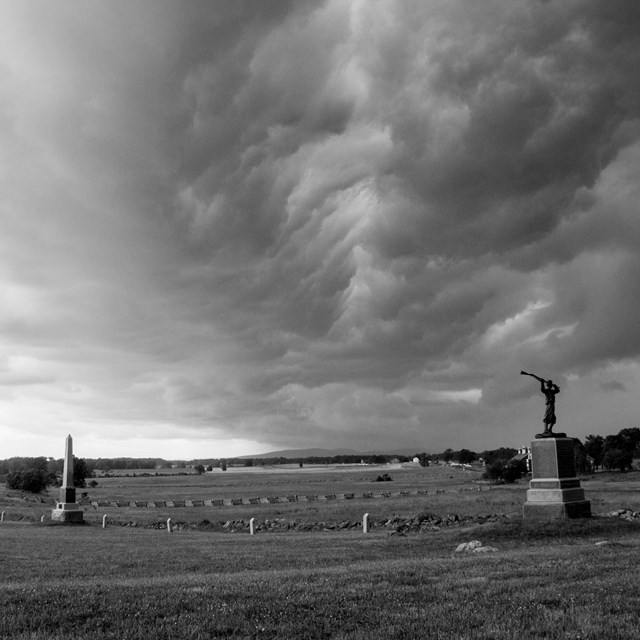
(505, 470)
(384, 478)
(33, 481)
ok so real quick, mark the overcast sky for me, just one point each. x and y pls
(239, 226)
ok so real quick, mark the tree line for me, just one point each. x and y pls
(36, 474)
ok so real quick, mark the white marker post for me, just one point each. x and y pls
(365, 523)
(104, 521)
(251, 527)
(42, 519)
(169, 529)
(2, 517)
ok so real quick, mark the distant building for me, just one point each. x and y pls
(524, 453)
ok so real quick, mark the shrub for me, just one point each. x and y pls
(33, 481)
(505, 470)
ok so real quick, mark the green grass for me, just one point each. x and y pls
(546, 580)
(85, 582)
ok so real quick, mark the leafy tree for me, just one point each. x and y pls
(223, 465)
(630, 438)
(594, 446)
(199, 469)
(506, 470)
(33, 480)
(80, 472)
(423, 459)
(580, 456)
(617, 458)
(448, 455)
(503, 453)
(465, 456)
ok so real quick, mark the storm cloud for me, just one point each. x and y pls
(255, 225)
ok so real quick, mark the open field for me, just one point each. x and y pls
(449, 490)
(85, 582)
(545, 580)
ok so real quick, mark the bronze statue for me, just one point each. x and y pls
(550, 392)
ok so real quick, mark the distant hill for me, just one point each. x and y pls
(327, 453)
(305, 453)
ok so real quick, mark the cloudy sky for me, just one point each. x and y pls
(239, 226)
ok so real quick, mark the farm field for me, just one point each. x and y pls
(546, 580)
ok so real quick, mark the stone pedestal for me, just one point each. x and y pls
(554, 491)
(67, 512)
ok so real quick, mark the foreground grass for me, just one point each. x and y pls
(545, 581)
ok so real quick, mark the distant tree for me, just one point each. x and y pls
(465, 456)
(199, 469)
(33, 480)
(503, 453)
(505, 470)
(80, 472)
(423, 458)
(594, 446)
(248, 462)
(631, 437)
(620, 459)
(209, 467)
(223, 465)
(448, 455)
(580, 456)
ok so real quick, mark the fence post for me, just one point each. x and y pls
(251, 526)
(169, 529)
(365, 523)
(104, 521)
(2, 517)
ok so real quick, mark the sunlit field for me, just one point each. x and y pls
(555, 580)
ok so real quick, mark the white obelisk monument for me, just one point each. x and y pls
(67, 509)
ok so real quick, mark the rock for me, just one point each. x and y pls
(466, 547)
(484, 549)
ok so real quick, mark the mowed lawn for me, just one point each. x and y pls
(544, 581)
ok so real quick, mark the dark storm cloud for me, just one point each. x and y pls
(294, 222)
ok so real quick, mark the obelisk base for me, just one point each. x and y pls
(68, 512)
(67, 509)
(554, 491)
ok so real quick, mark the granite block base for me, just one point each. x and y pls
(66, 512)
(554, 491)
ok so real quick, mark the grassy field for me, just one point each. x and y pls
(450, 490)
(543, 581)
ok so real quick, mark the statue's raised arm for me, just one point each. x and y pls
(533, 375)
(550, 390)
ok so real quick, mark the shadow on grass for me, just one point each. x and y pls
(566, 531)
